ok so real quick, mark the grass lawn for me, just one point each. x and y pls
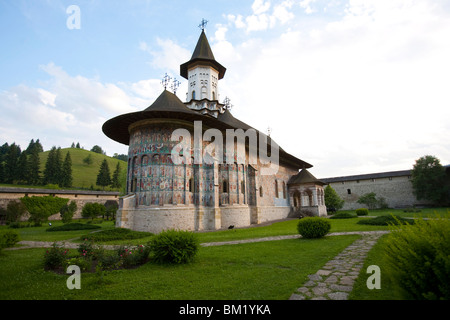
(389, 289)
(256, 271)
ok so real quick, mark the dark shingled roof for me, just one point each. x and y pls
(202, 55)
(304, 176)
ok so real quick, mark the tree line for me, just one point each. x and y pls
(23, 167)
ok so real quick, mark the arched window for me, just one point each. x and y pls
(204, 92)
(261, 191)
(213, 95)
(191, 184)
(193, 94)
(284, 190)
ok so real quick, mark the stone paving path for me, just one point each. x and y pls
(334, 281)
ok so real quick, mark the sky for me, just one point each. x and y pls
(350, 86)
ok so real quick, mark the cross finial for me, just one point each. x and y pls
(174, 86)
(202, 25)
(165, 81)
(227, 103)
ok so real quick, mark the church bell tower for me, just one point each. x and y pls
(203, 73)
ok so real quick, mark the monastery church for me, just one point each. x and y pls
(206, 195)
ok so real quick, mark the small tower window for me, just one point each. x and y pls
(193, 94)
(213, 95)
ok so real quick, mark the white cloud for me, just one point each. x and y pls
(70, 109)
(365, 92)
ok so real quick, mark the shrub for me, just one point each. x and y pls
(67, 211)
(418, 256)
(385, 220)
(362, 212)
(14, 211)
(40, 208)
(8, 238)
(93, 210)
(55, 257)
(313, 227)
(173, 246)
(343, 215)
(133, 256)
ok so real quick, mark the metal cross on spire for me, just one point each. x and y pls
(165, 81)
(174, 86)
(227, 103)
(202, 25)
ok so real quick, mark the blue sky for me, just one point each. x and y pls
(354, 86)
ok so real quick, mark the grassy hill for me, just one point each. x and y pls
(85, 175)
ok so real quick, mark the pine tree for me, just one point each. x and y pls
(52, 172)
(332, 199)
(115, 183)
(22, 172)
(66, 172)
(33, 167)
(104, 177)
(11, 163)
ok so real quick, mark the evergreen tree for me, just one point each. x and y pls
(115, 183)
(332, 199)
(66, 172)
(52, 172)
(104, 177)
(33, 167)
(78, 146)
(11, 163)
(38, 146)
(22, 168)
(73, 145)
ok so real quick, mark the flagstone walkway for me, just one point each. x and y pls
(334, 281)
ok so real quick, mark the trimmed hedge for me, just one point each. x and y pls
(72, 227)
(385, 220)
(313, 227)
(343, 215)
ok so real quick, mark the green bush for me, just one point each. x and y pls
(362, 212)
(72, 227)
(313, 227)
(8, 238)
(418, 256)
(67, 211)
(173, 246)
(40, 208)
(385, 220)
(93, 210)
(55, 257)
(343, 215)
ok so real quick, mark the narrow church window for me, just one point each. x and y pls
(284, 190)
(276, 189)
(225, 186)
(261, 191)
(242, 187)
(213, 95)
(193, 95)
(191, 185)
